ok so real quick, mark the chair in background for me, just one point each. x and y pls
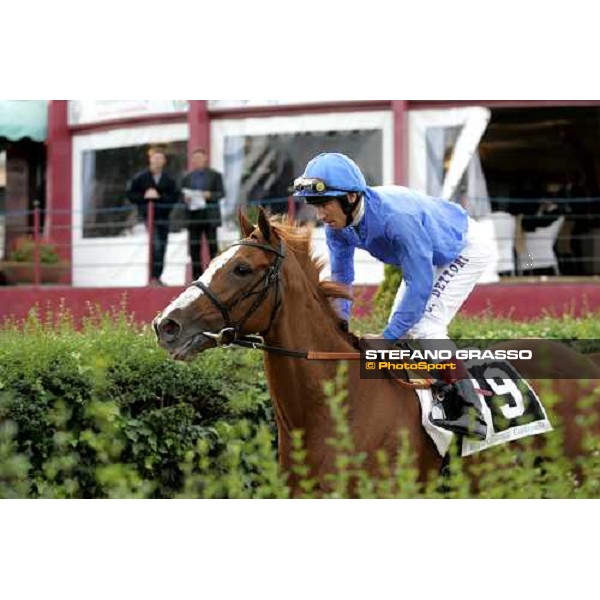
(538, 250)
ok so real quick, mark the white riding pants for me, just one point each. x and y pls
(452, 285)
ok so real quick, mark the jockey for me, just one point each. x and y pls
(441, 251)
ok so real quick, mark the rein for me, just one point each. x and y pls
(257, 343)
(230, 334)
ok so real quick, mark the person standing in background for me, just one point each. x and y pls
(202, 188)
(154, 185)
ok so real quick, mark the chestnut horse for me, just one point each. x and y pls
(269, 283)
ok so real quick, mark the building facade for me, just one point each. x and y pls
(519, 159)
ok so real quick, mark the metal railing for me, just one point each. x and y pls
(561, 237)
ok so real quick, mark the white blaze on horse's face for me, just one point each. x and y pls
(189, 296)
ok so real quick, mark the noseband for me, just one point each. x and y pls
(231, 331)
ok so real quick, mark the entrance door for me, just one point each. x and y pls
(443, 157)
(444, 162)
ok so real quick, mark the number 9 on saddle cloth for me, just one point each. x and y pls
(489, 402)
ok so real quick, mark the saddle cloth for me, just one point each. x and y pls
(513, 411)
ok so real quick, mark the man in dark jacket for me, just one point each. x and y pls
(154, 185)
(202, 189)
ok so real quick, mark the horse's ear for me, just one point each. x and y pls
(245, 225)
(263, 224)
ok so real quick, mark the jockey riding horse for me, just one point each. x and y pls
(440, 250)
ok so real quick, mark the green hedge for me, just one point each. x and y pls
(386, 292)
(55, 380)
(103, 412)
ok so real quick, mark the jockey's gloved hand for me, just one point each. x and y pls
(344, 326)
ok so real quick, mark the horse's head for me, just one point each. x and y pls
(239, 293)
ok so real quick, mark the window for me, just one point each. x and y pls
(105, 174)
(260, 169)
(2, 200)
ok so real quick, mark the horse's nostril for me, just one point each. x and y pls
(169, 329)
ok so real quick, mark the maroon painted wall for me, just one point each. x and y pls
(519, 301)
(199, 125)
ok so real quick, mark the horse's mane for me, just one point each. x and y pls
(298, 239)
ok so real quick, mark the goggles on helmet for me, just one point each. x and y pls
(313, 185)
(315, 191)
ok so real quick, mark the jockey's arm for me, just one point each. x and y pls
(341, 258)
(415, 253)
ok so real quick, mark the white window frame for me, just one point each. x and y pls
(472, 120)
(107, 261)
(343, 121)
(368, 270)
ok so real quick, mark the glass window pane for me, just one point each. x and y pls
(261, 169)
(2, 201)
(106, 210)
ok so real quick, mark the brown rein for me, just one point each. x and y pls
(257, 343)
(229, 335)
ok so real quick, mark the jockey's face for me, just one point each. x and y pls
(331, 212)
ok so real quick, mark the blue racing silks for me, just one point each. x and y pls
(407, 229)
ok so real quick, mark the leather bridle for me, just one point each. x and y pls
(231, 331)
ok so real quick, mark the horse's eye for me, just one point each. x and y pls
(242, 269)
